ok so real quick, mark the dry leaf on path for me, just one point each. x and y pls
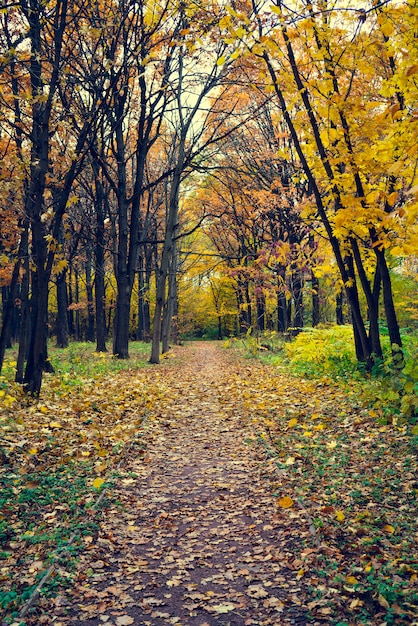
(124, 620)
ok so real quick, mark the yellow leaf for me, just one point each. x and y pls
(102, 452)
(332, 444)
(387, 29)
(307, 433)
(285, 502)
(33, 451)
(55, 425)
(98, 483)
(292, 422)
(392, 198)
(383, 602)
(389, 529)
(351, 580)
(300, 573)
(225, 21)
(43, 409)
(340, 516)
(290, 460)
(221, 60)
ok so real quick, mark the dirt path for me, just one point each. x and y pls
(196, 538)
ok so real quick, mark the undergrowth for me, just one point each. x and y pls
(328, 354)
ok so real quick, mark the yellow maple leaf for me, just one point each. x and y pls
(340, 516)
(285, 503)
(389, 529)
(351, 580)
(98, 482)
(292, 422)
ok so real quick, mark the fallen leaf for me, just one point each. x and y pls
(389, 529)
(285, 502)
(223, 608)
(257, 591)
(124, 620)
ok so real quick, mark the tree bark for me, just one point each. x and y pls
(62, 311)
(90, 336)
(315, 300)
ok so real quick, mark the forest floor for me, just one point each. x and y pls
(240, 496)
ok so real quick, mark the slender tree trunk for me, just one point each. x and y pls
(248, 308)
(8, 306)
(372, 303)
(24, 320)
(90, 336)
(141, 330)
(99, 275)
(78, 336)
(297, 283)
(315, 301)
(62, 311)
(170, 305)
(391, 318)
(71, 322)
(168, 248)
(339, 311)
(261, 312)
(242, 316)
(282, 317)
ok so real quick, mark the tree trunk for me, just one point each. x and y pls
(99, 275)
(90, 336)
(391, 318)
(71, 321)
(297, 289)
(261, 311)
(339, 311)
(372, 303)
(8, 306)
(315, 300)
(24, 320)
(170, 305)
(37, 354)
(168, 249)
(78, 336)
(282, 317)
(62, 311)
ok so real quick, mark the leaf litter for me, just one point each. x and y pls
(252, 498)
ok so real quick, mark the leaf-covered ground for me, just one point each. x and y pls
(209, 490)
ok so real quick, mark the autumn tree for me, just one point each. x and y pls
(317, 59)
